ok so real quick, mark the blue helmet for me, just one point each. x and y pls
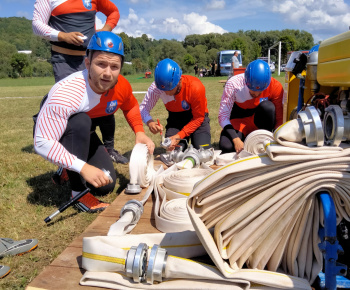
(167, 74)
(257, 75)
(106, 41)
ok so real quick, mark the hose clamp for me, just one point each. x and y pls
(156, 264)
(135, 207)
(312, 125)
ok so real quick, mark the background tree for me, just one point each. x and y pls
(19, 61)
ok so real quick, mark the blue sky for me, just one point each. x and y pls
(174, 19)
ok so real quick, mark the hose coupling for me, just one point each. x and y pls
(135, 207)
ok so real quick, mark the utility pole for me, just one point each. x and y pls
(279, 55)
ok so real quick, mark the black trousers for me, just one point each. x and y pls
(199, 138)
(79, 140)
(264, 118)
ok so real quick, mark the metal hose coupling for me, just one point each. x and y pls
(336, 126)
(136, 263)
(133, 188)
(156, 264)
(135, 207)
(311, 123)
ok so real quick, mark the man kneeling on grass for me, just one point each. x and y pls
(64, 133)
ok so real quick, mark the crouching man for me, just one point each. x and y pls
(64, 133)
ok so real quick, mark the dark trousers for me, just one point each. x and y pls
(264, 118)
(199, 138)
(87, 146)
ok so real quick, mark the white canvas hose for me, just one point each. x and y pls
(266, 213)
(171, 188)
(107, 262)
(141, 166)
(254, 142)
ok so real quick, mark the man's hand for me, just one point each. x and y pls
(154, 127)
(95, 176)
(174, 141)
(71, 37)
(141, 137)
(239, 145)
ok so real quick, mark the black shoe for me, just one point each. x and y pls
(117, 157)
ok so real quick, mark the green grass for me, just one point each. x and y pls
(27, 195)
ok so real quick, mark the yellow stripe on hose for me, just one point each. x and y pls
(104, 258)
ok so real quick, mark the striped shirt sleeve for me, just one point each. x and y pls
(149, 101)
(41, 16)
(227, 100)
(63, 101)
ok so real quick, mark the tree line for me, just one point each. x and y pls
(144, 53)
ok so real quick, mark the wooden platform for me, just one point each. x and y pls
(65, 271)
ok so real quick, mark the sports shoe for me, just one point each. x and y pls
(4, 270)
(89, 203)
(60, 176)
(9, 247)
(117, 157)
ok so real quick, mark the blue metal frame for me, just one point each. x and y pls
(330, 247)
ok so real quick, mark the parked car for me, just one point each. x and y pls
(283, 66)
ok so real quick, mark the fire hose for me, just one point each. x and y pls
(170, 195)
(112, 263)
(265, 214)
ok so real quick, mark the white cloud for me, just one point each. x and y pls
(23, 14)
(172, 27)
(321, 17)
(216, 4)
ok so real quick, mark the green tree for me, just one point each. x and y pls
(6, 51)
(19, 61)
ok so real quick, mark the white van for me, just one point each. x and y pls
(224, 61)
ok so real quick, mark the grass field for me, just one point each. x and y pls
(28, 196)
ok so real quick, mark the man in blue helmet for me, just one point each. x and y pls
(185, 100)
(250, 101)
(64, 132)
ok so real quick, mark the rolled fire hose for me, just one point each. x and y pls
(253, 144)
(140, 168)
(170, 206)
(266, 215)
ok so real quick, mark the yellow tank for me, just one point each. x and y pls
(333, 67)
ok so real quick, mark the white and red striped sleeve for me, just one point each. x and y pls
(41, 16)
(149, 101)
(64, 100)
(228, 98)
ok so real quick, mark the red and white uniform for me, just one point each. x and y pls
(236, 96)
(191, 97)
(52, 16)
(74, 95)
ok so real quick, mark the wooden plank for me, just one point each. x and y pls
(65, 271)
(58, 278)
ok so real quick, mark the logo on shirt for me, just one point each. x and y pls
(87, 4)
(185, 105)
(264, 99)
(111, 107)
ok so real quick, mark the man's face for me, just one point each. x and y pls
(103, 70)
(254, 94)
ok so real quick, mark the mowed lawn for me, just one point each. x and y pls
(27, 194)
